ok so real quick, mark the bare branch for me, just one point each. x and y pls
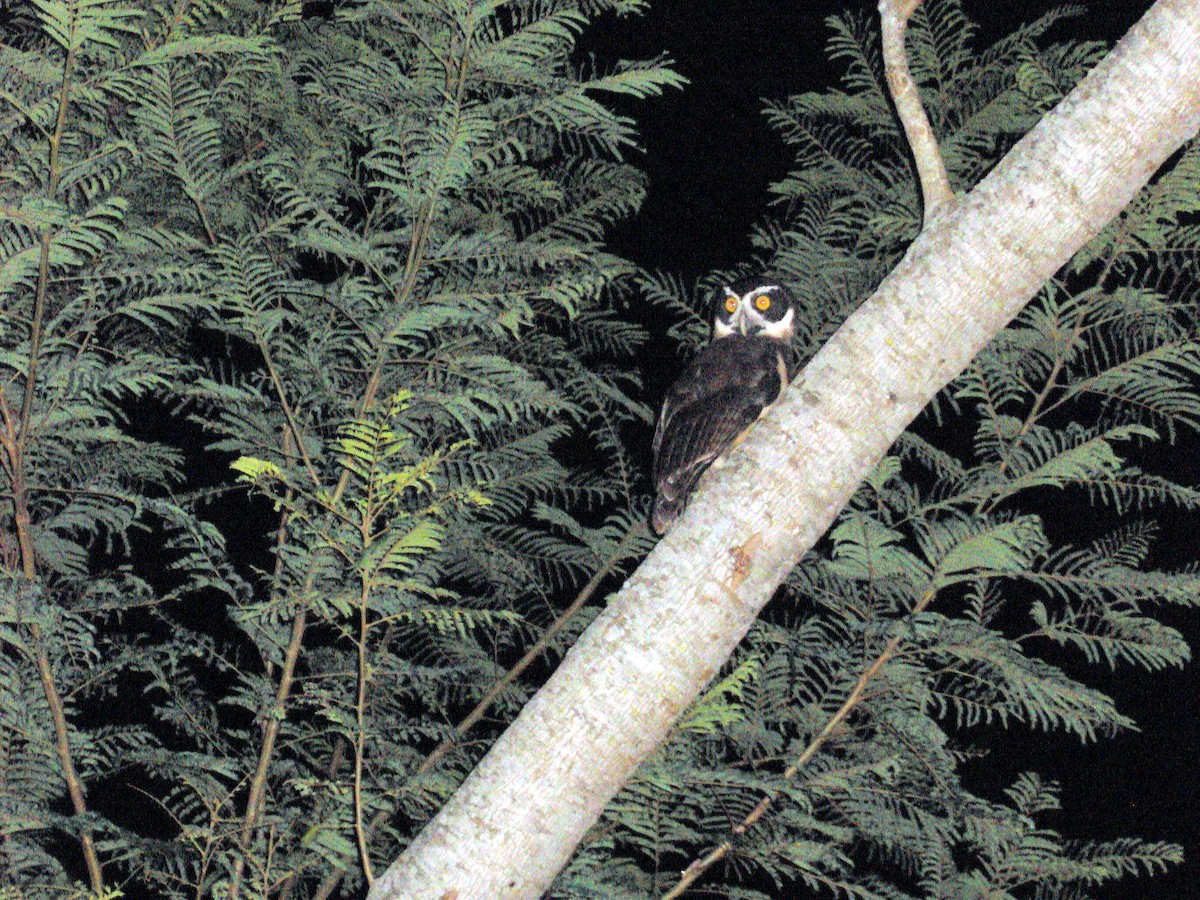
(935, 186)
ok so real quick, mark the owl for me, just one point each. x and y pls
(732, 382)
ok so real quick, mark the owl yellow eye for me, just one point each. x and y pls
(762, 302)
(731, 304)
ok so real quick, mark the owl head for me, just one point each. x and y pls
(754, 308)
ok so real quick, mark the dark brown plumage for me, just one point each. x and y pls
(724, 390)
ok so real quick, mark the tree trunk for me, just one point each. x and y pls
(514, 822)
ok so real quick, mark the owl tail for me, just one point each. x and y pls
(666, 510)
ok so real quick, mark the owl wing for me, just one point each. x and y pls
(719, 396)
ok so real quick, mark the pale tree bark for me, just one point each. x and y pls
(936, 193)
(513, 824)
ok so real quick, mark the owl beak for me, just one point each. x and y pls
(739, 320)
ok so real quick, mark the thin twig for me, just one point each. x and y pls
(360, 713)
(254, 802)
(694, 871)
(17, 455)
(619, 554)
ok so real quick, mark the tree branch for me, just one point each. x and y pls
(935, 185)
(693, 872)
(502, 684)
(17, 452)
(415, 259)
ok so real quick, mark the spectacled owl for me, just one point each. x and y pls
(732, 382)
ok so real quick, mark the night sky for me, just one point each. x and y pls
(711, 156)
